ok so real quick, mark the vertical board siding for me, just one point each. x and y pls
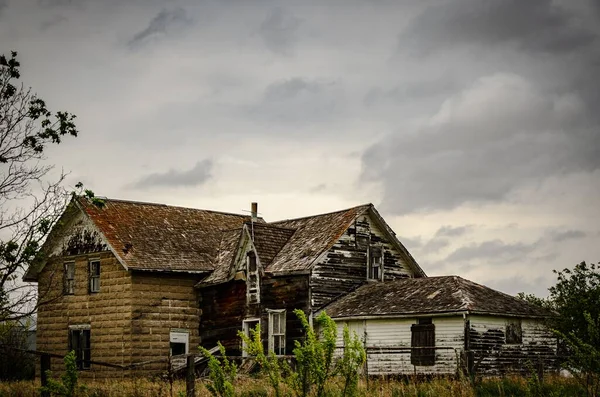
(388, 342)
(289, 293)
(344, 267)
(492, 356)
(222, 310)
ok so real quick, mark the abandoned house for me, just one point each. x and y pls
(127, 282)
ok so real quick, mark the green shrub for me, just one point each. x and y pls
(222, 373)
(67, 385)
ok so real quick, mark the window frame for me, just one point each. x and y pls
(82, 334)
(69, 278)
(252, 293)
(372, 264)
(281, 334)
(513, 334)
(246, 330)
(93, 279)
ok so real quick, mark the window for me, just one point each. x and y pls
(514, 332)
(79, 341)
(247, 325)
(375, 268)
(252, 282)
(423, 342)
(69, 278)
(277, 331)
(179, 341)
(95, 276)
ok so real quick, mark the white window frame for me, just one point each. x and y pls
(69, 282)
(246, 330)
(280, 315)
(370, 263)
(177, 335)
(94, 279)
(252, 294)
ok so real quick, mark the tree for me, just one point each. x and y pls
(576, 301)
(30, 204)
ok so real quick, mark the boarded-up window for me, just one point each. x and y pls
(375, 268)
(514, 332)
(252, 282)
(423, 343)
(277, 331)
(94, 276)
(69, 278)
(79, 342)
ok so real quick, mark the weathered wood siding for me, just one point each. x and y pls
(107, 312)
(493, 356)
(344, 267)
(388, 341)
(289, 293)
(160, 303)
(222, 310)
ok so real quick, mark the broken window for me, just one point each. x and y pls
(375, 268)
(423, 342)
(252, 281)
(69, 278)
(179, 340)
(247, 326)
(514, 332)
(79, 342)
(94, 276)
(277, 331)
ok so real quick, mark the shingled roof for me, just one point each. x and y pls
(431, 295)
(313, 236)
(146, 236)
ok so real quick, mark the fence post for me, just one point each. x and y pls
(44, 366)
(190, 379)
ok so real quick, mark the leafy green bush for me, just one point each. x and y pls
(222, 373)
(350, 364)
(67, 385)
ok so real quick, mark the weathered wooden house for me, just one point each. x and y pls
(441, 325)
(129, 282)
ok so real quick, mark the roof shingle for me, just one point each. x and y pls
(429, 295)
(159, 237)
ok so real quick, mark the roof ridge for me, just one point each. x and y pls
(167, 206)
(260, 224)
(325, 213)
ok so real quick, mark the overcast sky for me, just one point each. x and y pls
(473, 126)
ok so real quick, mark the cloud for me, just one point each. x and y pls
(491, 251)
(499, 134)
(411, 90)
(163, 23)
(299, 100)
(279, 31)
(196, 176)
(450, 231)
(533, 25)
(3, 6)
(560, 236)
(435, 245)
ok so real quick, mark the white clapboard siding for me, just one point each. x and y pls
(388, 342)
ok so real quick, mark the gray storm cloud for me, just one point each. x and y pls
(195, 176)
(165, 21)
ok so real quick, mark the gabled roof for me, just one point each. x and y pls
(430, 295)
(269, 240)
(227, 251)
(313, 236)
(158, 237)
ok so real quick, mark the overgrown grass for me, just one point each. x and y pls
(552, 386)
